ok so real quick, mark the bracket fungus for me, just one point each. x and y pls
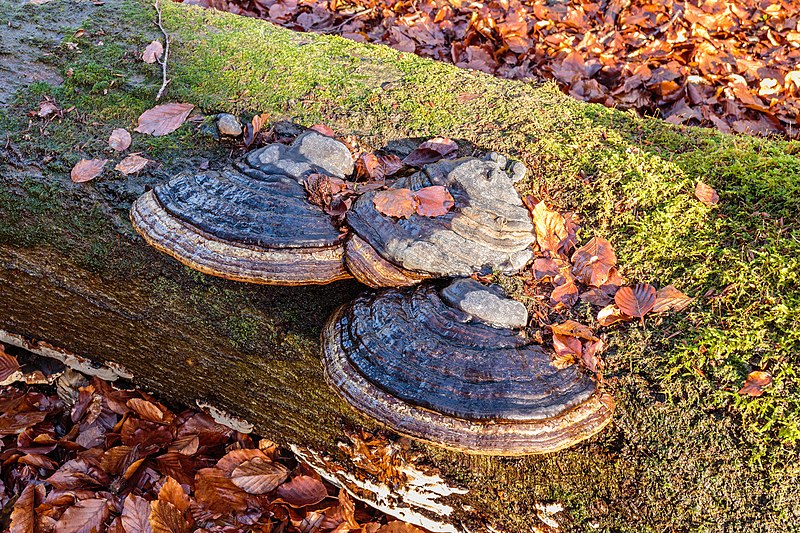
(488, 227)
(416, 361)
(252, 222)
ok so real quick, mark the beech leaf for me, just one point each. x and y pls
(136, 515)
(23, 518)
(670, 298)
(87, 169)
(166, 518)
(153, 52)
(302, 490)
(368, 167)
(172, 492)
(398, 203)
(636, 301)
(216, 492)
(565, 294)
(550, 226)
(593, 262)
(86, 516)
(706, 194)
(571, 328)
(430, 152)
(611, 314)
(163, 119)
(259, 475)
(132, 164)
(433, 201)
(756, 382)
(120, 140)
(8, 364)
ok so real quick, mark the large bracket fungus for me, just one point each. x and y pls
(252, 222)
(446, 365)
(414, 360)
(488, 228)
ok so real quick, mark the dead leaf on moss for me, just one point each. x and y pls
(611, 314)
(756, 382)
(636, 301)
(163, 119)
(593, 262)
(120, 140)
(132, 164)
(87, 170)
(570, 328)
(153, 52)
(669, 298)
(706, 194)
(565, 294)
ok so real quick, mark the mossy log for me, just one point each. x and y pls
(75, 275)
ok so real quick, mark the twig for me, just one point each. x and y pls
(163, 60)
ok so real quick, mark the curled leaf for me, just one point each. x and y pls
(302, 491)
(565, 294)
(368, 167)
(8, 364)
(120, 140)
(430, 152)
(756, 382)
(611, 314)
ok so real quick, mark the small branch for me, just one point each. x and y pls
(163, 59)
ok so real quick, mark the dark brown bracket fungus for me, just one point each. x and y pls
(414, 360)
(252, 222)
(488, 228)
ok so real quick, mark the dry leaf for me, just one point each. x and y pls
(132, 164)
(391, 164)
(706, 194)
(86, 516)
(550, 226)
(593, 262)
(47, 108)
(398, 203)
(368, 167)
(172, 492)
(136, 515)
(163, 119)
(120, 140)
(611, 314)
(430, 152)
(433, 201)
(670, 298)
(544, 268)
(259, 475)
(636, 301)
(565, 345)
(399, 527)
(562, 361)
(8, 364)
(323, 129)
(153, 52)
(756, 382)
(87, 169)
(23, 518)
(165, 518)
(302, 491)
(591, 352)
(565, 294)
(215, 491)
(570, 328)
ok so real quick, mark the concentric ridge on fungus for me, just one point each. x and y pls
(487, 228)
(252, 222)
(434, 372)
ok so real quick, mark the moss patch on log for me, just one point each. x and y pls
(686, 451)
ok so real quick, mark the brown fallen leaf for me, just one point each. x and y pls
(756, 382)
(47, 108)
(87, 170)
(323, 129)
(399, 527)
(23, 518)
(165, 518)
(550, 226)
(430, 152)
(259, 475)
(132, 164)
(153, 52)
(611, 314)
(120, 140)
(565, 345)
(433, 201)
(217, 493)
(391, 164)
(670, 298)
(136, 514)
(8, 364)
(544, 267)
(368, 167)
(83, 517)
(565, 294)
(591, 353)
(636, 301)
(398, 203)
(593, 262)
(706, 194)
(570, 328)
(163, 119)
(302, 491)
(172, 492)
(562, 361)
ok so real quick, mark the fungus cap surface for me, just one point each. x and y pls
(433, 372)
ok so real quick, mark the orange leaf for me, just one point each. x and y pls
(566, 294)
(611, 314)
(368, 167)
(153, 52)
(566, 345)
(259, 475)
(706, 194)
(433, 201)
(83, 517)
(590, 356)
(398, 203)
(165, 518)
(323, 129)
(570, 328)
(550, 227)
(399, 527)
(163, 119)
(87, 169)
(23, 518)
(8, 364)
(636, 301)
(172, 492)
(120, 140)
(593, 262)
(671, 298)
(132, 164)
(756, 382)
(302, 491)
(217, 493)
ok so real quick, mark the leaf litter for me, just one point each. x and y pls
(95, 457)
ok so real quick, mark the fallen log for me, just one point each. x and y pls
(75, 278)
